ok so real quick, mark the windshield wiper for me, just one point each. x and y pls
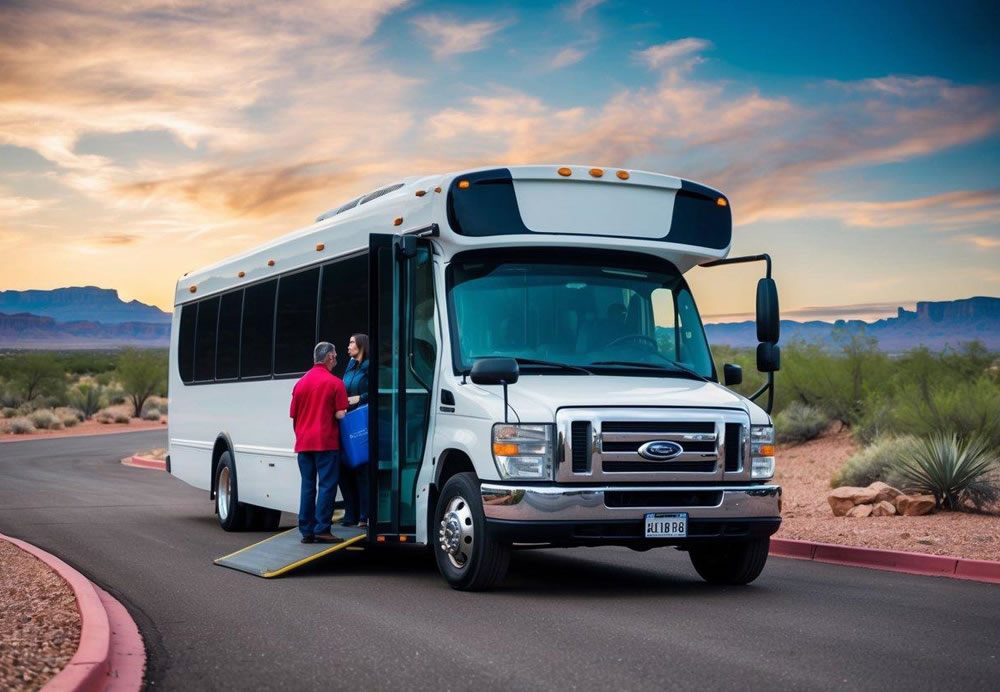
(674, 368)
(547, 364)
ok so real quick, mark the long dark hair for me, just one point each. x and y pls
(362, 342)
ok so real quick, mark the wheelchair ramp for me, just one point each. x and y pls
(284, 552)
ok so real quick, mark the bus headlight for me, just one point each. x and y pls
(524, 451)
(761, 451)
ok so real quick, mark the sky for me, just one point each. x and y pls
(858, 143)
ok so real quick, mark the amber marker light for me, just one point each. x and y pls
(505, 449)
(193, 289)
(765, 451)
(437, 189)
(597, 172)
(241, 274)
(270, 263)
(421, 193)
(463, 184)
(565, 172)
(622, 175)
(722, 202)
(402, 539)
(398, 221)
(380, 539)
(320, 247)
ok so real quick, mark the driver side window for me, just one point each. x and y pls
(665, 322)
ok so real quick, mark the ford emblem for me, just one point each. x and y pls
(660, 450)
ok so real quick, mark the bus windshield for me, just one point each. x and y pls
(593, 314)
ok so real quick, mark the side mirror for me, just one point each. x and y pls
(732, 374)
(768, 357)
(495, 371)
(768, 322)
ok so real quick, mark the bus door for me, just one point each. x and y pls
(401, 372)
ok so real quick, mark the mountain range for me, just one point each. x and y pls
(92, 317)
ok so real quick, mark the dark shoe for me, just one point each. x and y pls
(328, 538)
(363, 524)
(308, 539)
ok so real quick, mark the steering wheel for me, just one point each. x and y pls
(642, 338)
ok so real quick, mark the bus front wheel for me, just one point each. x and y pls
(731, 563)
(467, 556)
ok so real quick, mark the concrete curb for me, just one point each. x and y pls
(890, 560)
(145, 463)
(105, 636)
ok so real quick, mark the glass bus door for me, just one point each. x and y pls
(401, 372)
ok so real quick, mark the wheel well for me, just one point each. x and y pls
(450, 462)
(221, 445)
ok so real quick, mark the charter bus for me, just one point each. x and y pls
(539, 371)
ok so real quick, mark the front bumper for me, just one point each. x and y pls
(614, 514)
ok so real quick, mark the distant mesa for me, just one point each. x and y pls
(934, 324)
(87, 303)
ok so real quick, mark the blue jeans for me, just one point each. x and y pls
(316, 509)
(354, 488)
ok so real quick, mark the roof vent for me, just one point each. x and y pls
(360, 200)
(378, 193)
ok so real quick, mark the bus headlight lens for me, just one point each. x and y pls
(524, 451)
(761, 451)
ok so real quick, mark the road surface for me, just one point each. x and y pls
(598, 618)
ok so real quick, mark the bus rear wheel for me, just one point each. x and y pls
(233, 514)
(467, 556)
(731, 563)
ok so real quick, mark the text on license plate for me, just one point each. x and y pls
(661, 525)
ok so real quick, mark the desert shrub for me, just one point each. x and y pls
(88, 397)
(70, 412)
(44, 419)
(56, 425)
(104, 417)
(879, 461)
(157, 402)
(104, 379)
(799, 423)
(953, 470)
(142, 374)
(122, 418)
(151, 414)
(115, 396)
(969, 408)
(69, 421)
(32, 375)
(9, 412)
(21, 426)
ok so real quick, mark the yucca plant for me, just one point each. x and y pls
(953, 471)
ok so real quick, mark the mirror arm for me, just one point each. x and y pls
(769, 388)
(766, 258)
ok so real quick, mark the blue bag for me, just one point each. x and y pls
(354, 437)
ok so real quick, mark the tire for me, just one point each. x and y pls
(263, 518)
(468, 557)
(731, 563)
(233, 514)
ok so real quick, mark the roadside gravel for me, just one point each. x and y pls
(39, 621)
(804, 472)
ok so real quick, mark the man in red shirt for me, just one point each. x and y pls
(319, 401)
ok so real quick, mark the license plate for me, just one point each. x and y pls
(667, 525)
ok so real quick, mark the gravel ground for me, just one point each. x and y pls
(39, 621)
(804, 472)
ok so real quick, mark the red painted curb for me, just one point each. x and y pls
(890, 560)
(91, 668)
(145, 463)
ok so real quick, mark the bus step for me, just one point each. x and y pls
(284, 552)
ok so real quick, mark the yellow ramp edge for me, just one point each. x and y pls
(284, 552)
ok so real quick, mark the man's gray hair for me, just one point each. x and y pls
(322, 350)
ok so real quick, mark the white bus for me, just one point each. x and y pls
(539, 372)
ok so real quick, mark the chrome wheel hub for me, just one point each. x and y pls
(222, 493)
(456, 536)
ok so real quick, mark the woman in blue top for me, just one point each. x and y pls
(354, 482)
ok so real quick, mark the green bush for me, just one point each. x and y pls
(878, 461)
(21, 426)
(44, 419)
(70, 421)
(969, 408)
(121, 418)
(9, 412)
(954, 471)
(89, 398)
(800, 423)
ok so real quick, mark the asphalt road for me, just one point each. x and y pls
(599, 618)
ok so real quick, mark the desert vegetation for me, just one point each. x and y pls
(928, 422)
(53, 391)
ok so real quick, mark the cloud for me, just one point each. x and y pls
(569, 55)
(13, 205)
(827, 313)
(663, 54)
(575, 10)
(450, 37)
(981, 241)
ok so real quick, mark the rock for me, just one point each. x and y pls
(842, 499)
(859, 511)
(884, 509)
(884, 491)
(914, 506)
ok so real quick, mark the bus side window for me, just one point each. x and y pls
(204, 349)
(343, 305)
(185, 342)
(227, 351)
(295, 326)
(258, 330)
